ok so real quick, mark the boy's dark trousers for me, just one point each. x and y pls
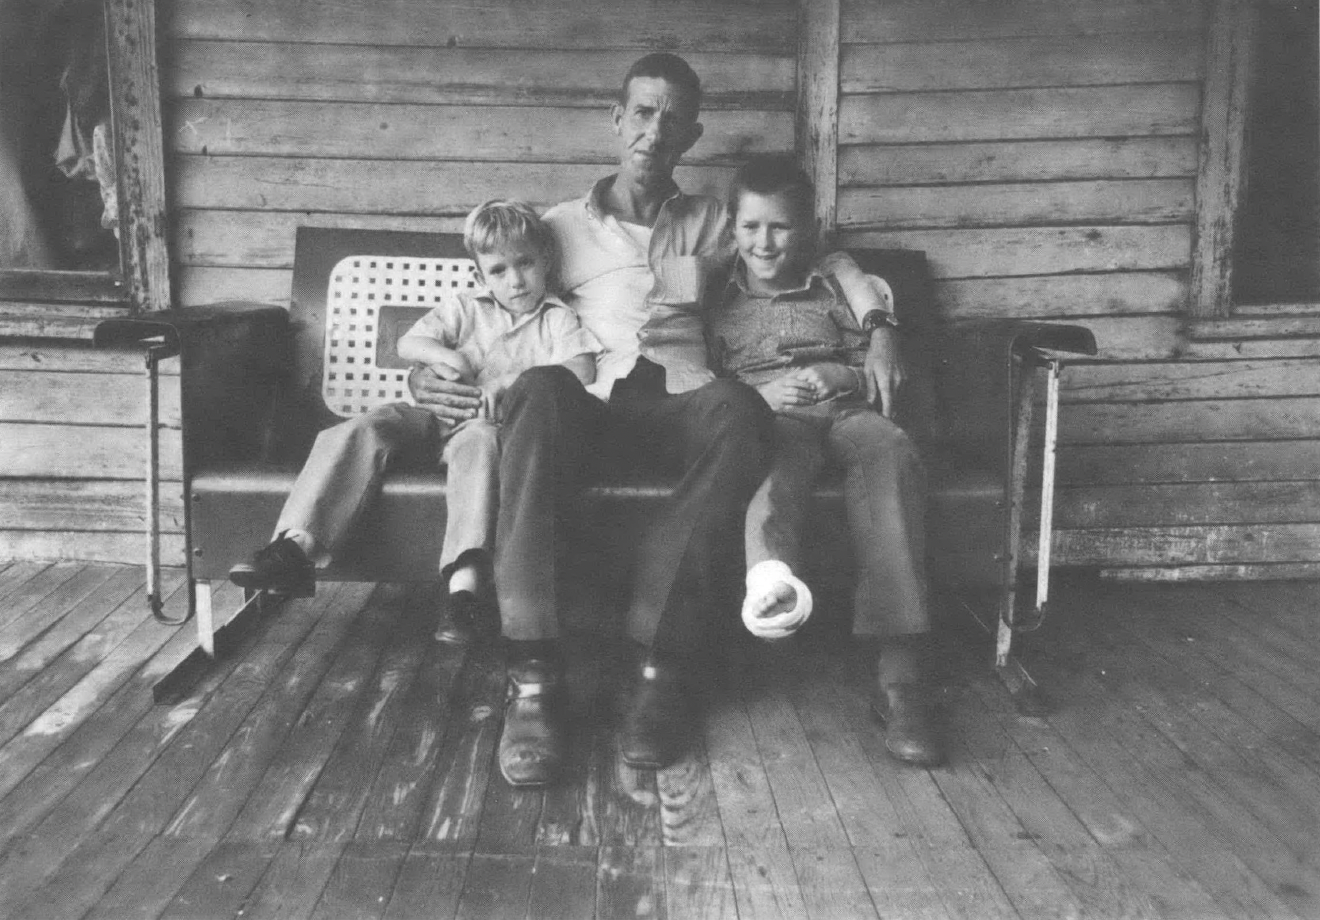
(554, 436)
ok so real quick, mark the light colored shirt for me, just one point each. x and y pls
(498, 343)
(756, 337)
(642, 297)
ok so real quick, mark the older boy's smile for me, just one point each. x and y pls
(774, 241)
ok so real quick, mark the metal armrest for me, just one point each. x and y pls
(232, 358)
(977, 365)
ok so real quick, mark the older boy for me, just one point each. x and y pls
(784, 326)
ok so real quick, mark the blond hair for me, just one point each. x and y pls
(499, 223)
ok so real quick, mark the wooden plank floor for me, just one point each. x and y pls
(341, 765)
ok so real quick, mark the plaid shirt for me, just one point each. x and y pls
(755, 337)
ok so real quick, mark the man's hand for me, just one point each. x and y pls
(788, 390)
(451, 401)
(883, 370)
(490, 400)
(829, 380)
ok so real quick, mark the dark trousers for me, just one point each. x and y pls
(554, 435)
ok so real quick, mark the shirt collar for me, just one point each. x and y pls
(815, 276)
(595, 200)
(486, 298)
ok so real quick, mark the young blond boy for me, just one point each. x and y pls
(783, 325)
(486, 338)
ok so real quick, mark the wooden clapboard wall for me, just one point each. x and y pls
(1045, 155)
(407, 113)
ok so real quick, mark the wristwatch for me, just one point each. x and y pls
(874, 319)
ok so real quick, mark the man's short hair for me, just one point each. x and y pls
(671, 68)
(499, 223)
(774, 174)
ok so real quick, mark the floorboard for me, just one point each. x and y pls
(341, 764)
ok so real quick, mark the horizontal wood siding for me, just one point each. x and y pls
(1044, 155)
(73, 454)
(287, 113)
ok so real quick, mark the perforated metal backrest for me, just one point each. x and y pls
(371, 300)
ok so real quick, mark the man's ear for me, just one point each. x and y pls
(694, 135)
(616, 116)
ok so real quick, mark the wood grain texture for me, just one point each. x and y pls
(689, 24)
(587, 77)
(1191, 421)
(817, 129)
(1134, 201)
(1019, 114)
(418, 188)
(63, 356)
(1150, 505)
(919, 20)
(1017, 161)
(1006, 251)
(1242, 461)
(83, 399)
(32, 451)
(96, 505)
(1230, 46)
(1003, 63)
(1190, 380)
(138, 151)
(395, 132)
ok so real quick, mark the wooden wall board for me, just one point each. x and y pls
(588, 77)
(1016, 114)
(1017, 161)
(1003, 63)
(1000, 251)
(86, 504)
(395, 132)
(61, 356)
(82, 399)
(1235, 329)
(420, 188)
(948, 20)
(1191, 421)
(1149, 337)
(36, 451)
(1130, 201)
(87, 546)
(265, 239)
(1190, 380)
(1166, 546)
(1081, 296)
(641, 26)
(1245, 349)
(1281, 571)
(1221, 461)
(202, 285)
(1187, 504)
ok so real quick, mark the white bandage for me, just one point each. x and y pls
(761, 578)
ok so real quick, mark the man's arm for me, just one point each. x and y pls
(883, 368)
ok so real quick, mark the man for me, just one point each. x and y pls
(636, 253)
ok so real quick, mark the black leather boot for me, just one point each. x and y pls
(533, 740)
(911, 724)
(658, 719)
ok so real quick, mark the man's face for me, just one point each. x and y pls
(655, 128)
(774, 240)
(516, 276)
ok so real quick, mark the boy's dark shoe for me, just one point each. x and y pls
(532, 742)
(468, 619)
(911, 724)
(280, 567)
(658, 719)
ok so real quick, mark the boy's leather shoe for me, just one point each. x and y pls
(280, 567)
(467, 619)
(532, 741)
(911, 732)
(658, 718)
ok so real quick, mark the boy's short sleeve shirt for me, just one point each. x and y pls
(498, 343)
(756, 337)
